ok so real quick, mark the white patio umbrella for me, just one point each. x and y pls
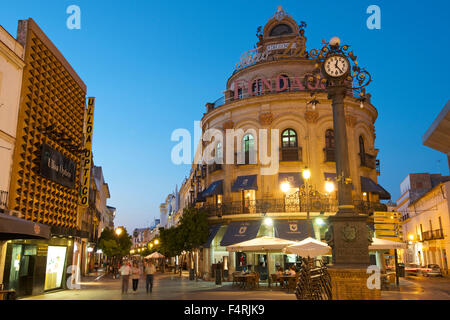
(154, 255)
(261, 244)
(266, 244)
(383, 244)
(308, 248)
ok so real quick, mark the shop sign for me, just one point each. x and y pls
(56, 167)
(87, 161)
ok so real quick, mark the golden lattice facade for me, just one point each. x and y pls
(53, 96)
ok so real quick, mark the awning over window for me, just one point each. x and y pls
(213, 229)
(368, 185)
(16, 228)
(214, 188)
(296, 230)
(294, 178)
(245, 183)
(239, 231)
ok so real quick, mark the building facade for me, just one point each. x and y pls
(425, 208)
(11, 69)
(44, 188)
(267, 91)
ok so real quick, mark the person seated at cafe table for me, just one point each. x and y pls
(292, 271)
(278, 275)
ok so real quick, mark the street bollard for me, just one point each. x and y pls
(191, 274)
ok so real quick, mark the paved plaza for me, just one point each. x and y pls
(173, 287)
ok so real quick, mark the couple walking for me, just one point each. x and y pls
(135, 272)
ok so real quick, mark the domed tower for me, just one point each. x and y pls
(274, 89)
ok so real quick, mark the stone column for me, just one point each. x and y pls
(231, 262)
(348, 234)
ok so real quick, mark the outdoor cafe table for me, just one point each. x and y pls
(243, 279)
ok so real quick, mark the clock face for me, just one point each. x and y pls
(336, 66)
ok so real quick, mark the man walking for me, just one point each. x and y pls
(125, 271)
(149, 272)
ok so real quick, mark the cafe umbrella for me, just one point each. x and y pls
(308, 248)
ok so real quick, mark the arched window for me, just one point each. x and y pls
(219, 153)
(329, 146)
(257, 87)
(289, 138)
(280, 30)
(284, 82)
(249, 148)
(289, 145)
(329, 139)
(362, 150)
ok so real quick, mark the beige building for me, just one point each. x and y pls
(268, 90)
(11, 69)
(425, 208)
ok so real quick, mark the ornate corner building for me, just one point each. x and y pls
(271, 89)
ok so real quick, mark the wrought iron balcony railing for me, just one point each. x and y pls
(368, 160)
(289, 205)
(329, 155)
(432, 235)
(291, 154)
(3, 199)
(214, 167)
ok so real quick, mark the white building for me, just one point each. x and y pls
(425, 208)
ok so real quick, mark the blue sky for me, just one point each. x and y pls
(152, 66)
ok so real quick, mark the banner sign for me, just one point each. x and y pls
(87, 152)
(56, 167)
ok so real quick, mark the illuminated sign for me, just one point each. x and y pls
(87, 152)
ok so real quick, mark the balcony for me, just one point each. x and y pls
(292, 205)
(214, 167)
(366, 207)
(291, 154)
(3, 199)
(432, 235)
(329, 155)
(368, 160)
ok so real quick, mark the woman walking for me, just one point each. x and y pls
(136, 274)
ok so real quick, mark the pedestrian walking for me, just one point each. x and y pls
(150, 270)
(125, 272)
(136, 274)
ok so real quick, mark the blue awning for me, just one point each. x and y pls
(213, 229)
(214, 188)
(294, 178)
(245, 183)
(295, 230)
(368, 185)
(239, 231)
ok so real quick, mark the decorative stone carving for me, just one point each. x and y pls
(311, 116)
(266, 118)
(228, 125)
(350, 121)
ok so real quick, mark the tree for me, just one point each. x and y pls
(191, 233)
(113, 245)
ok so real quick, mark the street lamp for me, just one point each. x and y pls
(329, 187)
(118, 231)
(156, 242)
(348, 234)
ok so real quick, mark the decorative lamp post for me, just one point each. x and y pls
(348, 234)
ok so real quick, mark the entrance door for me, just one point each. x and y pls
(16, 256)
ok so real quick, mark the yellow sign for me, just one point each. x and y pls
(377, 214)
(87, 152)
(381, 233)
(381, 226)
(386, 220)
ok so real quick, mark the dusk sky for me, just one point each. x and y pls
(152, 66)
